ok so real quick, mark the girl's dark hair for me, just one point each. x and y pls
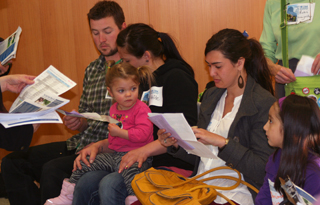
(139, 38)
(234, 45)
(301, 134)
(125, 70)
(103, 9)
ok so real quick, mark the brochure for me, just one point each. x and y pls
(177, 125)
(39, 99)
(8, 47)
(296, 194)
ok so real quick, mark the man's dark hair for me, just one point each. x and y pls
(104, 9)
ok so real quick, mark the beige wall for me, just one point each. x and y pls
(56, 32)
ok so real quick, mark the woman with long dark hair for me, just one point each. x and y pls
(232, 114)
(174, 91)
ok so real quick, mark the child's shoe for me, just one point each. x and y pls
(66, 195)
(131, 199)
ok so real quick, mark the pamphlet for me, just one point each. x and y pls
(39, 99)
(90, 115)
(296, 194)
(8, 47)
(177, 125)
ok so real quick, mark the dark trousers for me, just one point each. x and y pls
(48, 164)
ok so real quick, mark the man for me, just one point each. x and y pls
(20, 169)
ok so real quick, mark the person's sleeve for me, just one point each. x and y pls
(181, 93)
(253, 157)
(16, 138)
(264, 196)
(143, 129)
(312, 183)
(181, 153)
(83, 105)
(267, 39)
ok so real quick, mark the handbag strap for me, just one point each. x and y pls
(238, 180)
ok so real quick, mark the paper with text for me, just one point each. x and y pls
(177, 125)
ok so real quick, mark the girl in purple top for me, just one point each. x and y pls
(294, 128)
(123, 85)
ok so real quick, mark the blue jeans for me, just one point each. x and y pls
(100, 187)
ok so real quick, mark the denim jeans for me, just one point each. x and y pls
(100, 187)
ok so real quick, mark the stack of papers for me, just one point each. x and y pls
(37, 102)
(8, 47)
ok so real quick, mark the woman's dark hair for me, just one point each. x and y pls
(103, 9)
(138, 38)
(301, 135)
(234, 45)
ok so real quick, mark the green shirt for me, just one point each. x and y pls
(93, 100)
(303, 38)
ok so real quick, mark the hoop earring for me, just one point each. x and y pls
(240, 82)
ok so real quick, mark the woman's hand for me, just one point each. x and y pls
(15, 83)
(137, 155)
(165, 139)
(284, 75)
(207, 137)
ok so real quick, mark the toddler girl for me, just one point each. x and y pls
(123, 85)
(294, 128)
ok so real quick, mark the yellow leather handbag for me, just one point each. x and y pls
(157, 186)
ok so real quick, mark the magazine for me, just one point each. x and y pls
(295, 194)
(39, 99)
(8, 47)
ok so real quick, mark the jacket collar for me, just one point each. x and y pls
(247, 106)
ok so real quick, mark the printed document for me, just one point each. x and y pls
(177, 125)
(8, 47)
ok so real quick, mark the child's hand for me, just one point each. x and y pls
(114, 130)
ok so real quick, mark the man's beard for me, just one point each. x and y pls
(111, 52)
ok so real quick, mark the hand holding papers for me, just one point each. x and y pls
(177, 125)
(39, 99)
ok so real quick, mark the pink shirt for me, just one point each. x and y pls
(135, 120)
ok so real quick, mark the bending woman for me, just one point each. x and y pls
(140, 45)
(233, 113)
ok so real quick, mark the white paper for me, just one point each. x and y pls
(304, 66)
(276, 197)
(177, 125)
(39, 99)
(50, 82)
(51, 117)
(90, 115)
(8, 47)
